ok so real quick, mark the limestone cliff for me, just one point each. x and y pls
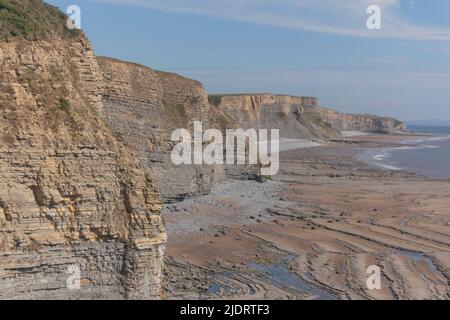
(268, 111)
(298, 117)
(72, 197)
(143, 107)
(358, 122)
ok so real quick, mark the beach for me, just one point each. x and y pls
(313, 231)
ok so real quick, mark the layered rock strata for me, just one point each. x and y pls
(357, 122)
(144, 107)
(298, 117)
(267, 111)
(75, 203)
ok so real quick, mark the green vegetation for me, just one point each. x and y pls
(223, 121)
(215, 99)
(64, 104)
(32, 20)
(316, 120)
(194, 100)
(177, 112)
(397, 122)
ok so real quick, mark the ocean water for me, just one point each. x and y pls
(429, 156)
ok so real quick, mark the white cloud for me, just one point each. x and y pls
(341, 17)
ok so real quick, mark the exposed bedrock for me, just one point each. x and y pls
(144, 107)
(73, 199)
(298, 117)
(357, 122)
(268, 111)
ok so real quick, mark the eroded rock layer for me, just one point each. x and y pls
(297, 117)
(267, 111)
(357, 122)
(144, 107)
(73, 200)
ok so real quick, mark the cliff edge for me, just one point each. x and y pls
(79, 214)
(298, 117)
(143, 107)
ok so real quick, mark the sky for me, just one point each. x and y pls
(319, 48)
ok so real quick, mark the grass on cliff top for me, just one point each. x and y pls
(32, 20)
(215, 99)
(63, 104)
(317, 120)
(176, 112)
(171, 75)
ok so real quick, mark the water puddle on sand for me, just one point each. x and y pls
(418, 257)
(281, 277)
(219, 288)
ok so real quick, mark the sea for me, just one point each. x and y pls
(428, 156)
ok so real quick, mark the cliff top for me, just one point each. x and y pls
(32, 20)
(161, 74)
(216, 98)
(254, 94)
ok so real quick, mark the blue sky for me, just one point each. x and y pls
(301, 47)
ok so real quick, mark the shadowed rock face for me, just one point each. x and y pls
(72, 197)
(143, 107)
(298, 117)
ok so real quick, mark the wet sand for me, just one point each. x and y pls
(313, 231)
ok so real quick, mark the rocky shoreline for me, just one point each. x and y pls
(312, 232)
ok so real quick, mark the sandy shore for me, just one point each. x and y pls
(313, 231)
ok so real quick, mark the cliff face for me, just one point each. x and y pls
(357, 122)
(72, 197)
(143, 107)
(298, 117)
(267, 111)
